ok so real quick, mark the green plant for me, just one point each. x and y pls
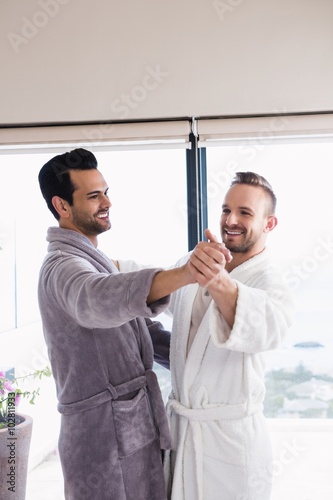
(11, 394)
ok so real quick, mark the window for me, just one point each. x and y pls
(145, 165)
(148, 214)
(299, 376)
(147, 190)
(149, 224)
(23, 222)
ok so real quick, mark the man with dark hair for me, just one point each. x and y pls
(113, 424)
(222, 325)
(54, 177)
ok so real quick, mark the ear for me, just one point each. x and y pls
(61, 207)
(271, 223)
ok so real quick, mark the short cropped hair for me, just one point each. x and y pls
(54, 178)
(252, 179)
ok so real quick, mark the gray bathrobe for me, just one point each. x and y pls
(113, 423)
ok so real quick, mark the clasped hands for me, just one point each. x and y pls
(207, 261)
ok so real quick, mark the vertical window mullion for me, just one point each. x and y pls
(196, 192)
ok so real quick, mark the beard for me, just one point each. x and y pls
(246, 247)
(240, 247)
(88, 225)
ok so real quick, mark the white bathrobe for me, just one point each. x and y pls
(221, 445)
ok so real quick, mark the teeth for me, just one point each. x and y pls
(234, 232)
(102, 216)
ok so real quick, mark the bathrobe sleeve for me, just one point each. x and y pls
(131, 265)
(126, 266)
(159, 335)
(264, 313)
(97, 299)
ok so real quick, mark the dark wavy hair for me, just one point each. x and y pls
(253, 179)
(54, 178)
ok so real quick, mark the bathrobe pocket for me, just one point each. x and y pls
(224, 441)
(134, 424)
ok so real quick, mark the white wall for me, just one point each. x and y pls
(81, 60)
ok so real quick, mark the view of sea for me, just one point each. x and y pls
(310, 339)
(310, 342)
(309, 327)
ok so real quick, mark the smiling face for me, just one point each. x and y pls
(245, 221)
(89, 214)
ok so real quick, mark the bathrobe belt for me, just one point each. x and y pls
(212, 412)
(113, 392)
(193, 417)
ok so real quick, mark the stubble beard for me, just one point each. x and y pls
(237, 248)
(90, 226)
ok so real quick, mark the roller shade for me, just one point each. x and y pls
(265, 129)
(96, 137)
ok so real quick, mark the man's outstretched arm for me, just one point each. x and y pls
(166, 282)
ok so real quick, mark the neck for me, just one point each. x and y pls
(239, 258)
(93, 240)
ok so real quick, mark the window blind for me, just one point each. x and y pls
(96, 137)
(265, 129)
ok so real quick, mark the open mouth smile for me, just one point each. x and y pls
(103, 215)
(233, 233)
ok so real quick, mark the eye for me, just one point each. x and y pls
(225, 211)
(243, 212)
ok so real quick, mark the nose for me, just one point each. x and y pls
(231, 219)
(106, 202)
